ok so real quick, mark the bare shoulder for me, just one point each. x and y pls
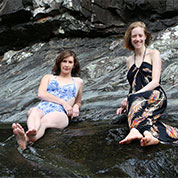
(128, 58)
(47, 77)
(79, 82)
(129, 61)
(153, 56)
(153, 52)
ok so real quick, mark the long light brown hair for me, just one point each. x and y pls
(127, 37)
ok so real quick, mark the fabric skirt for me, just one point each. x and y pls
(144, 113)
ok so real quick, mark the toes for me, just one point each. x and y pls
(31, 132)
(19, 126)
(125, 141)
(142, 141)
(15, 131)
(146, 141)
(14, 126)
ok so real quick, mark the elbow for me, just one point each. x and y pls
(156, 84)
(41, 95)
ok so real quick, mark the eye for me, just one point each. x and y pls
(64, 61)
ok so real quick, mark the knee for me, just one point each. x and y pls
(33, 111)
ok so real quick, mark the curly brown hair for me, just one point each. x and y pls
(127, 38)
(56, 70)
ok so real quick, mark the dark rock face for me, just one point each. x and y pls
(103, 70)
(32, 33)
(25, 21)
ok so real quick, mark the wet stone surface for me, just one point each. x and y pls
(85, 149)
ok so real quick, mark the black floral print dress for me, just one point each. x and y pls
(145, 108)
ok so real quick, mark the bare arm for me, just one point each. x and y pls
(42, 91)
(78, 99)
(124, 103)
(44, 95)
(156, 72)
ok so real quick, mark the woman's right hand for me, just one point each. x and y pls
(68, 108)
(124, 105)
(119, 111)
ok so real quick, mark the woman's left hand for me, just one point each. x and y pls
(119, 111)
(75, 111)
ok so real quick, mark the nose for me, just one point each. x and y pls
(67, 63)
(137, 38)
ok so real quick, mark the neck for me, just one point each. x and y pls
(65, 75)
(140, 51)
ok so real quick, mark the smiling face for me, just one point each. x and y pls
(135, 33)
(67, 62)
(67, 65)
(138, 37)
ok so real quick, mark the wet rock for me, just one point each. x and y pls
(85, 149)
(103, 70)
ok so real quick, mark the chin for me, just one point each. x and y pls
(138, 46)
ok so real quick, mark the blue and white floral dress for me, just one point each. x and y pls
(65, 92)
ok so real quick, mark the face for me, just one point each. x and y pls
(67, 65)
(138, 37)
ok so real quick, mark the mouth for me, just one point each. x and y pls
(138, 42)
(66, 69)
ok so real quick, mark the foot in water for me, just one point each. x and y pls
(133, 135)
(20, 135)
(31, 135)
(148, 139)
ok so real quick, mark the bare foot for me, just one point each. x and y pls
(31, 135)
(20, 135)
(148, 139)
(14, 126)
(133, 135)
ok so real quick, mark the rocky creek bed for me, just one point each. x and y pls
(85, 149)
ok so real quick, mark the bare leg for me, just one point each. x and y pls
(134, 134)
(33, 123)
(20, 135)
(148, 139)
(52, 120)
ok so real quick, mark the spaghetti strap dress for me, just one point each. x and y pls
(145, 108)
(65, 92)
